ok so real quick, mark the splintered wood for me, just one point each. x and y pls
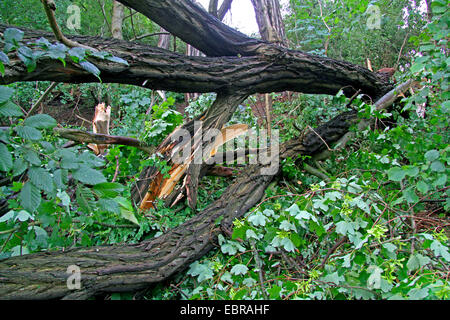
(161, 187)
(100, 124)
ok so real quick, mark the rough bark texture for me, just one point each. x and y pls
(160, 69)
(270, 22)
(236, 67)
(131, 267)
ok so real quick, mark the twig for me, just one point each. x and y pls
(401, 49)
(316, 172)
(333, 249)
(328, 147)
(102, 6)
(259, 264)
(116, 173)
(50, 7)
(149, 35)
(46, 93)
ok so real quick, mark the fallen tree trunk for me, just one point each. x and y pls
(131, 267)
(160, 69)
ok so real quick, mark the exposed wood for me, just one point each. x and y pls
(100, 124)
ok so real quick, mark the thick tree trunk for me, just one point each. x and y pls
(236, 67)
(131, 267)
(160, 69)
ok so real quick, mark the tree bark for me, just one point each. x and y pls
(117, 20)
(117, 268)
(270, 22)
(160, 69)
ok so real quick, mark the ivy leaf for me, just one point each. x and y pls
(374, 280)
(417, 261)
(239, 269)
(6, 162)
(203, 271)
(257, 219)
(30, 197)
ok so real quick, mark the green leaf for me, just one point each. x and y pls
(89, 67)
(396, 174)
(42, 179)
(5, 93)
(422, 187)
(437, 166)
(257, 219)
(117, 60)
(109, 205)
(28, 133)
(274, 292)
(19, 166)
(126, 210)
(10, 109)
(30, 197)
(27, 56)
(374, 280)
(85, 200)
(203, 271)
(88, 175)
(13, 35)
(77, 54)
(108, 189)
(41, 121)
(6, 162)
(410, 196)
(432, 155)
(411, 171)
(4, 58)
(416, 261)
(239, 269)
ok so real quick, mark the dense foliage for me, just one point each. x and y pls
(373, 225)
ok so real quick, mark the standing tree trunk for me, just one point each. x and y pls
(117, 20)
(270, 22)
